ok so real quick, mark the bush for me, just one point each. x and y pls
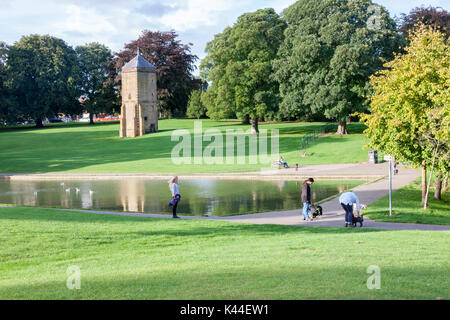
(195, 107)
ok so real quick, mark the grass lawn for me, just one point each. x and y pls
(407, 207)
(138, 258)
(85, 148)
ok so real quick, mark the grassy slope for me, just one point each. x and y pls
(138, 258)
(407, 207)
(84, 148)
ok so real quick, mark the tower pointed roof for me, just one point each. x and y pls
(138, 62)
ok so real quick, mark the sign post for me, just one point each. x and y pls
(389, 158)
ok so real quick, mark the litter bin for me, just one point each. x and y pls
(373, 156)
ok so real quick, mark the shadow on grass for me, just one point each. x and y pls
(220, 279)
(191, 227)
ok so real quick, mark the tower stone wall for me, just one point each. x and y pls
(139, 113)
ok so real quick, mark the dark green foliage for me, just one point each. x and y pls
(195, 108)
(44, 77)
(239, 65)
(99, 93)
(328, 54)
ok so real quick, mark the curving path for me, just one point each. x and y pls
(333, 212)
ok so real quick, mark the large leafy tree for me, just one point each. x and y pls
(239, 66)
(99, 94)
(5, 98)
(174, 64)
(410, 106)
(437, 18)
(44, 77)
(331, 48)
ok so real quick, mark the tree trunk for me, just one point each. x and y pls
(255, 125)
(438, 186)
(429, 179)
(424, 181)
(246, 119)
(39, 123)
(445, 183)
(342, 127)
(91, 118)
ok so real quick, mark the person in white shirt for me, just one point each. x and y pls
(175, 190)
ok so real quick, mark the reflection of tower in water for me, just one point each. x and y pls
(132, 195)
(23, 192)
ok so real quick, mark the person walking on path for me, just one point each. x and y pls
(347, 199)
(175, 190)
(306, 197)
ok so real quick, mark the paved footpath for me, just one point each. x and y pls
(333, 213)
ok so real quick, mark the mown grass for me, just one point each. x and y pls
(407, 207)
(138, 258)
(98, 148)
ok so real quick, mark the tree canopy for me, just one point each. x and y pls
(99, 94)
(438, 18)
(174, 66)
(195, 108)
(331, 48)
(239, 66)
(43, 72)
(410, 106)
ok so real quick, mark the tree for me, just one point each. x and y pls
(239, 66)
(174, 66)
(438, 18)
(44, 77)
(195, 108)
(99, 94)
(331, 48)
(410, 106)
(5, 97)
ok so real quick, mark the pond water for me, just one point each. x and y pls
(198, 197)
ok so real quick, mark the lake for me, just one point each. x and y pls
(198, 197)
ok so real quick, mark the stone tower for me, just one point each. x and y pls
(139, 113)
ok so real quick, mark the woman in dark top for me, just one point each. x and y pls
(306, 197)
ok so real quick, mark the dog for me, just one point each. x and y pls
(358, 218)
(316, 211)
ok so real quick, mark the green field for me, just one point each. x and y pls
(407, 207)
(98, 148)
(140, 258)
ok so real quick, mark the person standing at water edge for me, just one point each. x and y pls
(306, 197)
(347, 199)
(175, 190)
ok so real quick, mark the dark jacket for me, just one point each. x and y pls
(306, 192)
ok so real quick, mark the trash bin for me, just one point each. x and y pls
(373, 156)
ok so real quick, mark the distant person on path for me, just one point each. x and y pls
(347, 199)
(306, 197)
(175, 190)
(282, 162)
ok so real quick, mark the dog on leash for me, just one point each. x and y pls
(316, 211)
(358, 218)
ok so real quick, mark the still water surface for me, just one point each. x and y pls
(198, 197)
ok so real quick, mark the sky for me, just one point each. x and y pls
(116, 22)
